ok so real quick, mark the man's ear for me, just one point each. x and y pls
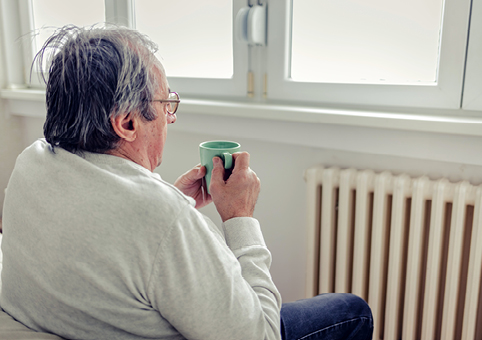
(125, 126)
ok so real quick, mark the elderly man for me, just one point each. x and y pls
(97, 246)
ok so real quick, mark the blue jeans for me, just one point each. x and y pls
(327, 317)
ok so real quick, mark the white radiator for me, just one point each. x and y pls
(411, 247)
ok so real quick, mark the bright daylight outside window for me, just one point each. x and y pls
(366, 41)
(51, 14)
(194, 37)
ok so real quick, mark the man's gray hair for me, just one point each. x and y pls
(96, 73)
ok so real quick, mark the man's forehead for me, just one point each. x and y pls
(161, 76)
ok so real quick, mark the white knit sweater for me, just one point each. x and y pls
(98, 247)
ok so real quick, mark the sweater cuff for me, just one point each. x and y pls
(243, 232)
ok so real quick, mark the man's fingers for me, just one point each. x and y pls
(201, 171)
(195, 173)
(237, 196)
(217, 173)
(241, 160)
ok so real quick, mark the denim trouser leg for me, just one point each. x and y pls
(327, 317)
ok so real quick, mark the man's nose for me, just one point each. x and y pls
(171, 118)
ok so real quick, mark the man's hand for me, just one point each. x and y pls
(236, 196)
(191, 184)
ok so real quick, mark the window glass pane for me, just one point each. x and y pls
(51, 14)
(365, 41)
(195, 37)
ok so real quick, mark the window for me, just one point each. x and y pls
(195, 39)
(438, 83)
(50, 14)
(344, 53)
(365, 41)
(196, 44)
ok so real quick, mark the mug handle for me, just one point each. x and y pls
(228, 160)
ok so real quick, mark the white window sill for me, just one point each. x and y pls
(31, 103)
(447, 136)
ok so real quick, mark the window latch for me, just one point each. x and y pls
(250, 25)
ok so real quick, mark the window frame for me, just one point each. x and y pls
(14, 43)
(446, 93)
(472, 95)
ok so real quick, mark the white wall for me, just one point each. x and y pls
(10, 147)
(280, 166)
(10, 137)
(280, 152)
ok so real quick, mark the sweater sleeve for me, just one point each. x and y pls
(211, 288)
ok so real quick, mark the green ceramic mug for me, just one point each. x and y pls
(218, 148)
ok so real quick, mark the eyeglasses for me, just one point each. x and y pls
(172, 102)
